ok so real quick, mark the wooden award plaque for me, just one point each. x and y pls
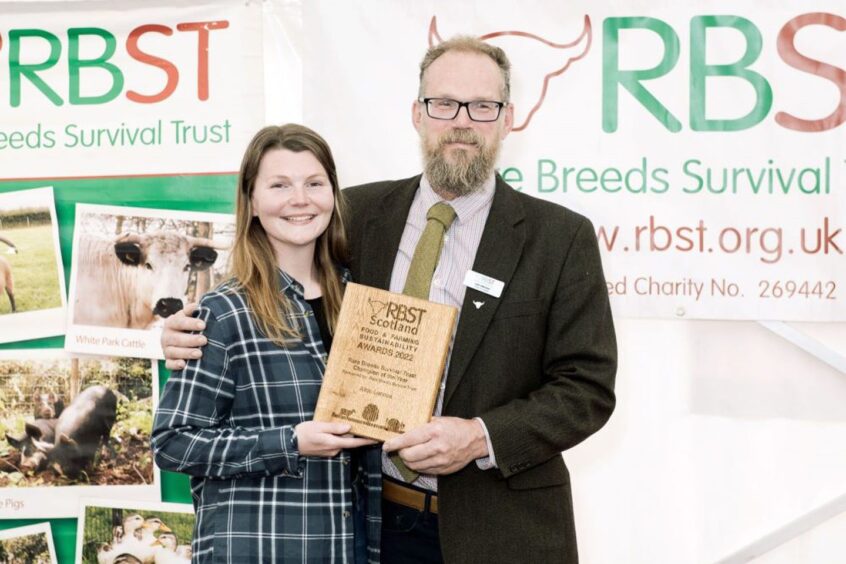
(388, 356)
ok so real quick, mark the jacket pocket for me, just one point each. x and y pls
(519, 309)
(553, 472)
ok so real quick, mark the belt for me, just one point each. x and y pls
(409, 497)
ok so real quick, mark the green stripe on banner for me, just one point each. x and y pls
(205, 193)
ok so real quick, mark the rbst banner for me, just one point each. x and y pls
(706, 141)
(146, 105)
(121, 88)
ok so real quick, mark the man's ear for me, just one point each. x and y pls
(417, 111)
(508, 120)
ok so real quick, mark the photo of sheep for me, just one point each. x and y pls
(73, 421)
(32, 544)
(134, 267)
(124, 532)
(32, 282)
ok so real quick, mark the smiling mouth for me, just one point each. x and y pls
(299, 218)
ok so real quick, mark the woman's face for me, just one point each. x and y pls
(292, 199)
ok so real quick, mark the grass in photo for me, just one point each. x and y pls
(28, 271)
(31, 549)
(30, 544)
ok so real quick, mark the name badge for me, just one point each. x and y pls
(482, 283)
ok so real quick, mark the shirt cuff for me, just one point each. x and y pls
(489, 461)
(280, 453)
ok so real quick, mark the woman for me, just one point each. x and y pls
(269, 484)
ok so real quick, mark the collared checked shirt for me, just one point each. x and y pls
(228, 420)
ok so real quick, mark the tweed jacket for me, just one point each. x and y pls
(536, 364)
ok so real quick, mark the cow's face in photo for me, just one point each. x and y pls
(164, 262)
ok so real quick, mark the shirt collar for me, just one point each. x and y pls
(288, 284)
(465, 206)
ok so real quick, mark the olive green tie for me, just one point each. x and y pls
(428, 250)
(419, 279)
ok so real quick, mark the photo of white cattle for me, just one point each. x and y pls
(137, 277)
(134, 267)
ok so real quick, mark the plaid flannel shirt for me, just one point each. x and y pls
(228, 421)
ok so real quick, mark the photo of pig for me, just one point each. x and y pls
(133, 267)
(79, 433)
(32, 284)
(39, 431)
(75, 421)
(47, 406)
(114, 532)
(47, 409)
(31, 544)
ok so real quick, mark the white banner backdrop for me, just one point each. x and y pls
(122, 88)
(703, 140)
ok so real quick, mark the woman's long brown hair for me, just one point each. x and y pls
(253, 262)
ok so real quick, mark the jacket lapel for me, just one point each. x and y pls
(382, 234)
(498, 254)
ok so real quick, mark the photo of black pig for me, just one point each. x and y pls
(47, 405)
(82, 428)
(33, 458)
(57, 412)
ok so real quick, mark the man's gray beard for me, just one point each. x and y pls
(468, 173)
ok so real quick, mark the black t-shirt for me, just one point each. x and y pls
(317, 307)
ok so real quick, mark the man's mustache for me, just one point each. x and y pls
(467, 136)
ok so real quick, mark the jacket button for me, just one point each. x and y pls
(346, 514)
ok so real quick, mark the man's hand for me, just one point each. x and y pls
(177, 343)
(320, 438)
(442, 446)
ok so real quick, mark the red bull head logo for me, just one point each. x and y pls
(530, 92)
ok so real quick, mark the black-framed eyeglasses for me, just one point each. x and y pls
(447, 108)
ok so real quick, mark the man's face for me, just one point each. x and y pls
(459, 154)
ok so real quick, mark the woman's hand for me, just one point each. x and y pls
(319, 438)
(178, 344)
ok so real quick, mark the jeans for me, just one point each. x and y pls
(409, 536)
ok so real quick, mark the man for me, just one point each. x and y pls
(531, 370)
